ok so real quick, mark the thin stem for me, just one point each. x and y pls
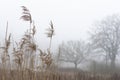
(50, 43)
(6, 32)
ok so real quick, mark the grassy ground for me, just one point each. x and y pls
(54, 75)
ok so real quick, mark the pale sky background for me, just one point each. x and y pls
(72, 18)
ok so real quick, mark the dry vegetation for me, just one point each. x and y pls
(53, 75)
(21, 62)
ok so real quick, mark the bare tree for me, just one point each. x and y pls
(74, 52)
(106, 38)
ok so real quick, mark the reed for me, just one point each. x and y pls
(23, 57)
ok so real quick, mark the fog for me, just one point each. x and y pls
(72, 18)
(59, 39)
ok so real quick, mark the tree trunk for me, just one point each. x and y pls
(113, 57)
(75, 65)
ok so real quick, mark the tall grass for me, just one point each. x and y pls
(22, 65)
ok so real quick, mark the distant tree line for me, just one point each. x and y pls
(104, 40)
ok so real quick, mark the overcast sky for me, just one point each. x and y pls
(72, 18)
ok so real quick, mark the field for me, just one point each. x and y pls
(24, 60)
(54, 75)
